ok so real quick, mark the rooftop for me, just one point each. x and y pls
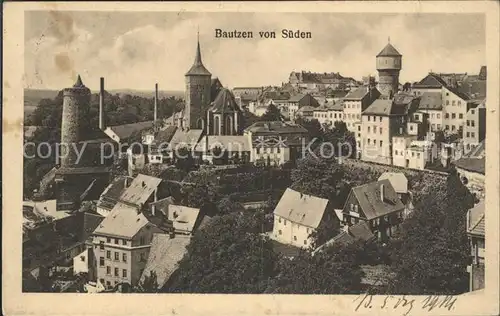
(122, 221)
(185, 138)
(225, 142)
(224, 102)
(299, 208)
(368, 196)
(125, 131)
(476, 165)
(389, 50)
(431, 101)
(164, 256)
(198, 69)
(397, 179)
(476, 222)
(184, 218)
(275, 127)
(141, 188)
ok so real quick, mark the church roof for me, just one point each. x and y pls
(78, 83)
(389, 50)
(224, 102)
(198, 69)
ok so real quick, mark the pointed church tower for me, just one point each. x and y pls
(197, 98)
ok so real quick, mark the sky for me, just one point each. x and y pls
(135, 50)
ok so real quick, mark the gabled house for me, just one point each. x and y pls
(377, 204)
(297, 216)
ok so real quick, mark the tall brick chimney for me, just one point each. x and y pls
(101, 105)
(155, 115)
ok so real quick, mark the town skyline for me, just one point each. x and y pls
(137, 51)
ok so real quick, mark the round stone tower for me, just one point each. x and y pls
(75, 100)
(197, 98)
(389, 62)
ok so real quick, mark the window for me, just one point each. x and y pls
(359, 128)
(381, 143)
(471, 111)
(380, 129)
(124, 273)
(418, 155)
(294, 238)
(467, 134)
(411, 127)
(374, 142)
(124, 242)
(433, 127)
(460, 116)
(101, 245)
(284, 222)
(108, 254)
(108, 284)
(412, 154)
(352, 207)
(447, 94)
(279, 219)
(453, 102)
(447, 115)
(117, 241)
(438, 115)
(447, 101)
(117, 256)
(432, 115)
(368, 141)
(472, 123)
(447, 127)
(472, 134)
(453, 127)
(368, 118)
(305, 242)
(439, 126)
(108, 240)
(395, 152)
(380, 118)
(102, 281)
(468, 123)
(101, 261)
(279, 231)
(108, 270)
(368, 129)
(117, 272)
(459, 102)
(124, 257)
(453, 115)
(374, 129)
(82, 258)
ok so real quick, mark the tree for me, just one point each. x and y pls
(227, 205)
(333, 271)
(149, 284)
(226, 257)
(328, 228)
(432, 252)
(272, 114)
(319, 176)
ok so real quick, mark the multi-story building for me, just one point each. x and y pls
(377, 204)
(320, 81)
(389, 63)
(475, 126)
(274, 143)
(356, 102)
(431, 104)
(476, 234)
(455, 106)
(297, 216)
(297, 101)
(122, 240)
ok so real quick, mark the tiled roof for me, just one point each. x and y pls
(112, 193)
(90, 222)
(127, 130)
(184, 218)
(164, 136)
(306, 109)
(368, 196)
(388, 50)
(397, 179)
(301, 208)
(471, 164)
(164, 255)
(198, 69)
(380, 107)
(224, 102)
(122, 221)
(332, 106)
(228, 142)
(431, 101)
(296, 98)
(361, 231)
(141, 188)
(183, 138)
(275, 127)
(357, 94)
(430, 81)
(476, 222)
(337, 93)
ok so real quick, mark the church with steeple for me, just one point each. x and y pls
(210, 113)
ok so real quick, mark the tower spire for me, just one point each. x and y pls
(197, 60)
(78, 82)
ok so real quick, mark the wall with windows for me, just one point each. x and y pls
(291, 233)
(375, 139)
(399, 145)
(474, 128)
(454, 111)
(352, 113)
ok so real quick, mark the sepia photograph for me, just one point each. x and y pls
(234, 152)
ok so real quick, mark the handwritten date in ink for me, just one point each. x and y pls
(403, 303)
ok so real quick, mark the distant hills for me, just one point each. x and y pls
(33, 96)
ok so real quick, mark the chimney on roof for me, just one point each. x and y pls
(382, 192)
(101, 104)
(155, 114)
(143, 184)
(172, 234)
